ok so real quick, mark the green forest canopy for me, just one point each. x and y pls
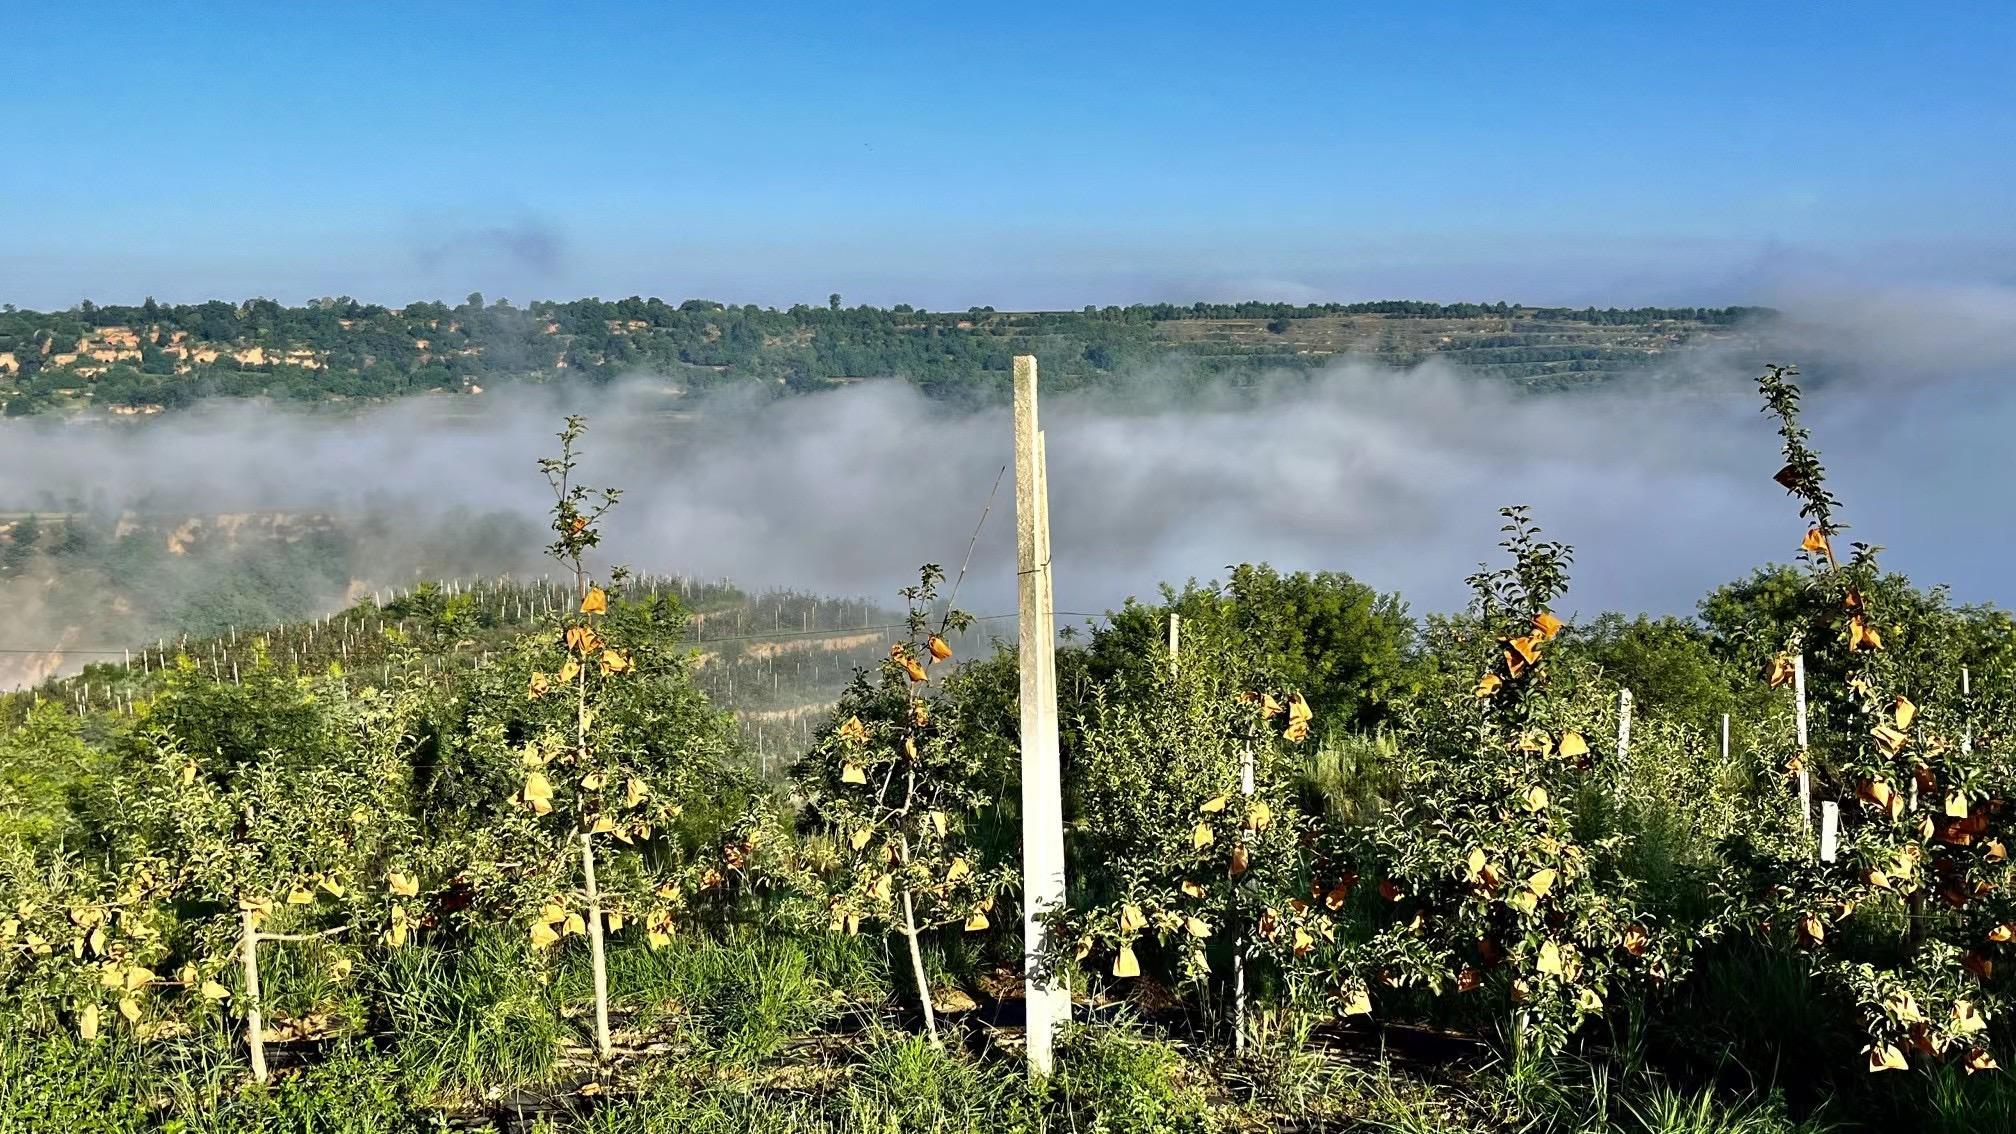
(170, 355)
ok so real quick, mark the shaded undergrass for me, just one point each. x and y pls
(489, 1013)
(471, 1018)
(56, 1083)
(1349, 777)
(739, 998)
(901, 1083)
(1556, 1095)
(768, 1033)
(1109, 1081)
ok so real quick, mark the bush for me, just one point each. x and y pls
(1922, 782)
(1476, 877)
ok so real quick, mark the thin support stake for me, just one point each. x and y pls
(1966, 707)
(1799, 715)
(255, 1022)
(1239, 948)
(595, 954)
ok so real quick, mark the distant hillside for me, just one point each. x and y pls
(155, 357)
(777, 659)
(82, 579)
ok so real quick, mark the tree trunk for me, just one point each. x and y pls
(595, 954)
(917, 971)
(1246, 777)
(255, 1021)
(1239, 995)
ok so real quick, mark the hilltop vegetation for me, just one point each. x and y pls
(145, 358)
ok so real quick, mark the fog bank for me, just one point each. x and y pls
(1661, 482)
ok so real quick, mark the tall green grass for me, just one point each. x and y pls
(472, 1018)
(52, 1083)
(736, 1000)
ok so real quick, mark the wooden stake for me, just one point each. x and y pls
(1239, 947)
(1623, 723)
(1175, 639)
(1042, 796)
(255, 1021)
(1725, 738)
(1830, 819)
(917, 972)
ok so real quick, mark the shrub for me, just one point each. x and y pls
(891, 793)
(1476, 877)
(1911, 915)
(1169, 845)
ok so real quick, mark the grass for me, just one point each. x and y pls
(1553, 1096)
(472, 1019)
(1349, 776)
(1109, 1081)
(773, 1032)
(1666, 1110)
(1118, 1080)
(52, 1083)
(57, 1083)
(738, 1000)
(1954, 1103)
(900, 1084)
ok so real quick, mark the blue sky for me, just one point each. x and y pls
(1019, 155)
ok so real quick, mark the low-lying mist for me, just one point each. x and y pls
(1662, 482)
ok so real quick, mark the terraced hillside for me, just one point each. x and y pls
(1523, 345)
(154, 357)
(117, 596)
(778, 659)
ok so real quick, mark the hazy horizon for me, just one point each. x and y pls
(1663, 481)
(1712, 154)
(1826, 161)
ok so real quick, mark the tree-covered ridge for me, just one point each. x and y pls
(133, 358)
